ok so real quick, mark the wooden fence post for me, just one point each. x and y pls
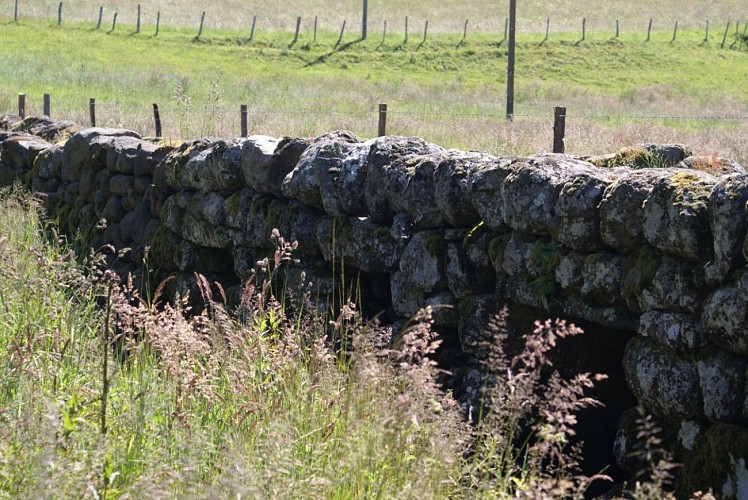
(137, 26)
(706, 32)
(101, 14)
(406, 30)
(506, 30)
(252, 30)
(649, 30)
(158, 22)
(425, 33)
(157, 119)
(464, 33)
(547, 29)
(296, 33)
(382, 129)
(200, 30)
(510, 61)
(616, 29)
(340, 38)
(675, 31)
(314, 40)
(584, 29)
(243, 112)
(15, 11)
(92, 111)
(724, 38)
(59, 14)
(559, 127)
(22, 106)
(114, 22)
(48, 105)
(364, 19)
(737, 27)
(384, 32)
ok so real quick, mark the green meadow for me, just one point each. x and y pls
(617, 91)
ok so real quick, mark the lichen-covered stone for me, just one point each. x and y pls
(407, 298)
(452, 180)
(423, 261)
(124, 153)
(206, 234)
(531, 190)
(729, 221)
(209, 207)
(725, 315)
(576, 223)
(615, 317)
(466, 275)
(392, 162)
(622, 212)
(667, 155)
(601, 277)
(569, 271)
(266, 161)
(311, 179)
(652, 281)
(475, 329)
(86, 148)
(719, 463)
(237, 208)
(485, 190)
(359, 243)
(676, 219)
(351, 182)
(664, 382)
(678, 331)
(19, 152)
(722, 377)
(204, 166)
(172, 213)
(444, 307)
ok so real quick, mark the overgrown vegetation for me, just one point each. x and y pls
(103, 394)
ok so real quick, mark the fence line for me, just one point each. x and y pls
(380, 116)
(739, 40)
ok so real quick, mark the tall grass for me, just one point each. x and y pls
(142, 400)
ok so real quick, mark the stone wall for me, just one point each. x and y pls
(655, 256)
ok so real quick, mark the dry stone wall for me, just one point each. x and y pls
(659, 253)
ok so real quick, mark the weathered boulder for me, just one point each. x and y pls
(237, 208)
(601, 277)
(719, 463)
(477, 329)
(468, 268)
(485, 190)
(569, 271)
(622, 212)
(653, 281)
(392, 164)
(725, 315)
(676, 218)
(422, 262)
(678, 331)
(312, 180)
(451, 188)
(267, 160)
(126, 155)
(42, 126)
(293, 220)
(210, 207)
(576, 223)
(88, 148)
(729, 221)
(531, 190)
(664, 382)
(20, 151)
(722, 377)
(201, 165)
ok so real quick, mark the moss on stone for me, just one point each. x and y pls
(639, 271)
(233, 204)
(713, 461)
(496, 248)
(690, 190)
(434, 244)
(635, 158)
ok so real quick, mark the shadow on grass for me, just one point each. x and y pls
(338, 48)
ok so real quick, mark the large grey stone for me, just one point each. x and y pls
(722, 377)
(728, 221)
(678, 331)
(267, 160)
(725, 315)
(452, 182)
(485, 191)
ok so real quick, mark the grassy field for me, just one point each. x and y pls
(617, 91)
(443, 17)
